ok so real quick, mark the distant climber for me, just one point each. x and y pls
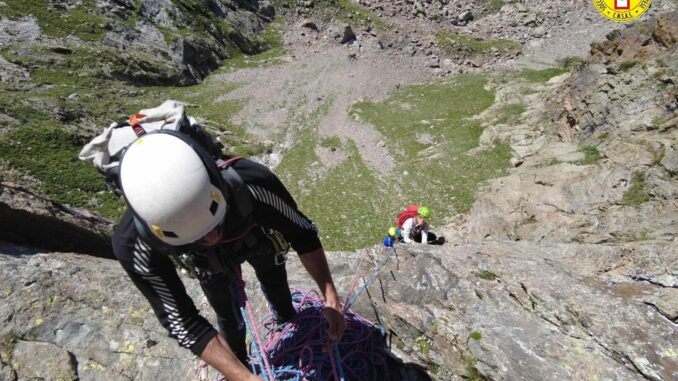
(391, 237)
(185, 197)
(414, 227)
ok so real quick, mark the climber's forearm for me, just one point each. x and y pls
(219, 355)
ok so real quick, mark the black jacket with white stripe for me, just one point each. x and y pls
(154, 273)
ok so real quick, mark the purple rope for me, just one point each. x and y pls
(295, 348)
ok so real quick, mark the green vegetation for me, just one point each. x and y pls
(434, 326)
(7, 343)
(399, 343)
(348, 12)
(486, 275)
(440, 372)
(270, 40)
(347, 201)
(657, 153)
(475, 335)
(423, 344)
(627, 65)
(80, 20)
(553, 161)
(637, 193)
(541, 76)
(42, 149)
(509, 113)
(331, 142)
(642, 235)
(343, 201)
(472, 373)
(441, 174)
(591, 154)
(452, 42)
(602, 135)
(658, 120)
(52, 300)
(572, 62)
(491, 6)
(92, 365)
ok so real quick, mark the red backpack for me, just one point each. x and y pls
(409, 212)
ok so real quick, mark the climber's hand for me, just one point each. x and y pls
(335, 319)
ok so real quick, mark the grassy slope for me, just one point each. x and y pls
(47, 149)
(346, 11)
(353, 208)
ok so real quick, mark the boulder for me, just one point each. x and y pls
(307, 23)
(267, 9)
(348, 34)
(670, 160)
(667, 29)
(160, 12)
(11, 73)
(538, 32)
(218, 8)
(465, 16)
(55, 363)
(24, 30)
(34, 220)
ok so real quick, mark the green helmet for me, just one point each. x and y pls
(424, 212)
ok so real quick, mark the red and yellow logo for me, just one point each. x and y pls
(622, 10)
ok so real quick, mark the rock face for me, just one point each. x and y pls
(599, 169)
(80, 318)
(84, 319)
(146, 41)
(503, 310)
(29, 219)
(526, 311)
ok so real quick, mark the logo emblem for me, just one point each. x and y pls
(622, 10)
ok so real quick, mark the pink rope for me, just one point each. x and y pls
(255, 330)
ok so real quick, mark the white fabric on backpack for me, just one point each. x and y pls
(114, 139)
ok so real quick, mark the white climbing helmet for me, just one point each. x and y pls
(166, 183)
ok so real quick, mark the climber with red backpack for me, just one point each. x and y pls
(413, 226)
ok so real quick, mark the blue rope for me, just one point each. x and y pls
(256, 350)
(370, 279)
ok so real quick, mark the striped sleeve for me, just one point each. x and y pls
(274, 201)
(155, 276)
(275, 208)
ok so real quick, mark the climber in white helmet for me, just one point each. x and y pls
(221, 212)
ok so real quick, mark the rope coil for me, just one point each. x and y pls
(293, 351)
(295, 348)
